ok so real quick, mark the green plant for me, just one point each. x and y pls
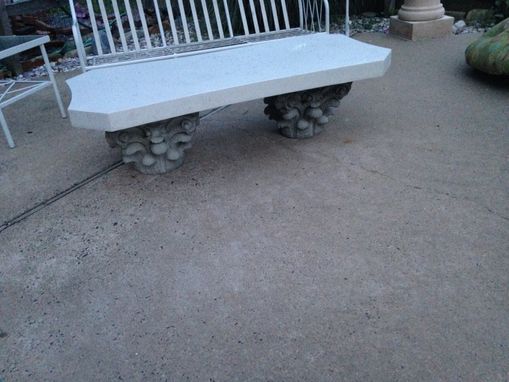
(502, 6)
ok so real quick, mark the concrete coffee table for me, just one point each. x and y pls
(14, 90)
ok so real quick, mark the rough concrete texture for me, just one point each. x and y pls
(376, 251)
(50, 155)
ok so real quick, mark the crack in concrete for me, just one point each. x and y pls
(47, 202)
(432, 190)
(376, 172)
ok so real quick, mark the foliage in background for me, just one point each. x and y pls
(502, 6)
(337, 8)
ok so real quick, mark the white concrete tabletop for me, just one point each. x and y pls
(120, 97)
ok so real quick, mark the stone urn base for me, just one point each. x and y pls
(420, 30)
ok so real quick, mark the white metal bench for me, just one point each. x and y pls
(159, 66)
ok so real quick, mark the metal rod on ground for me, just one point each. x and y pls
(214, 111)
(75, 187)
(58, 196)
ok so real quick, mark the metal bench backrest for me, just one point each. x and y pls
(116, 24)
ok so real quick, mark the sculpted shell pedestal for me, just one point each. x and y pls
(157, 148)
(303, 114)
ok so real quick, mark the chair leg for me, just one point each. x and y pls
(53, 82)
(7, 133)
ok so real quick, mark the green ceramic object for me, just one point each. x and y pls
(490, 54)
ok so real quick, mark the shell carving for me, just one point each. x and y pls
(303, 114)
(158, 147)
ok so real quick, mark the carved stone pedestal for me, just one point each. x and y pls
(421, 30)
(421, 10)
(158, 147)
(303, 114)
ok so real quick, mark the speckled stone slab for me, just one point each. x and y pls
(120, 97)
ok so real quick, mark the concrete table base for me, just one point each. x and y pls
(156, 148)
(419, 30)
(159, 147)
(303, 114)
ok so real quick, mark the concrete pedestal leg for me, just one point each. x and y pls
(304, 114)
(421, 19)
(158, 147)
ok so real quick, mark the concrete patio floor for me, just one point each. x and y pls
(376, 251)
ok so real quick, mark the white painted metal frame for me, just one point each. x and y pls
(10, 94)
(198, 25)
